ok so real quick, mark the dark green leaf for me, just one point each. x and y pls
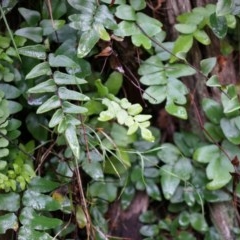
(30, 219)
(47, 86)
(169, 181)
(230, 130)
(9, 202)
(104, 190)
(153, 190)
(39, 201)
(149, 230)
(57, 117)
(198, 222)
(34, 51)
(61, 61)
(39, 70)
(14, 107)
(218, 170)
(93, 169)
(43, 185)
(36, 125)
(183, 168)
(32, 33)
(31, 16)
(72, 108)
(10, 91)
(148, 217)
(8, 221)
(50, 104)
(72, 140)
(67, 94)
(218, 25)
(184, 219)
(67, 79)
(87, 42)
(213, 110)
(49, 26)
(26, 232)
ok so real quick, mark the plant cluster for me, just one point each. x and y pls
(71, 141)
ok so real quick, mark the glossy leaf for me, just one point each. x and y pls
(169, 181)
(67, 94)
(213, 81)
(104, 190)
(206, 153)
(213, 110)
(198, 222)
(138, 4)
(47, 86)
(9, 202)
(218, 170)
(126, 28)
(202, 37)
(230, 130)
(179, 70)
(26, 232)
(153, 190)
(183, 168)
(223, 7)
(125, 12)
(207, 65)
(30, 219)
(87, 42)
(185, 28)
(34, 51)
(80, 217)
(177, 111)
(39, 201)
(72, 140)
(149, 230)
(50, 26)
(10, 91)
(57, 117)
(61, 61)
(43, 185)
(39, 70)
(72, 108)
(50, 104)
(93, 169)
(14, 107)
(32, 33)
(8, 221)
(182, 45)
(31, 16)
(218, 25)
(66, 79)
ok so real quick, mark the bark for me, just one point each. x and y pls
(222, 214)
(125, 223)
